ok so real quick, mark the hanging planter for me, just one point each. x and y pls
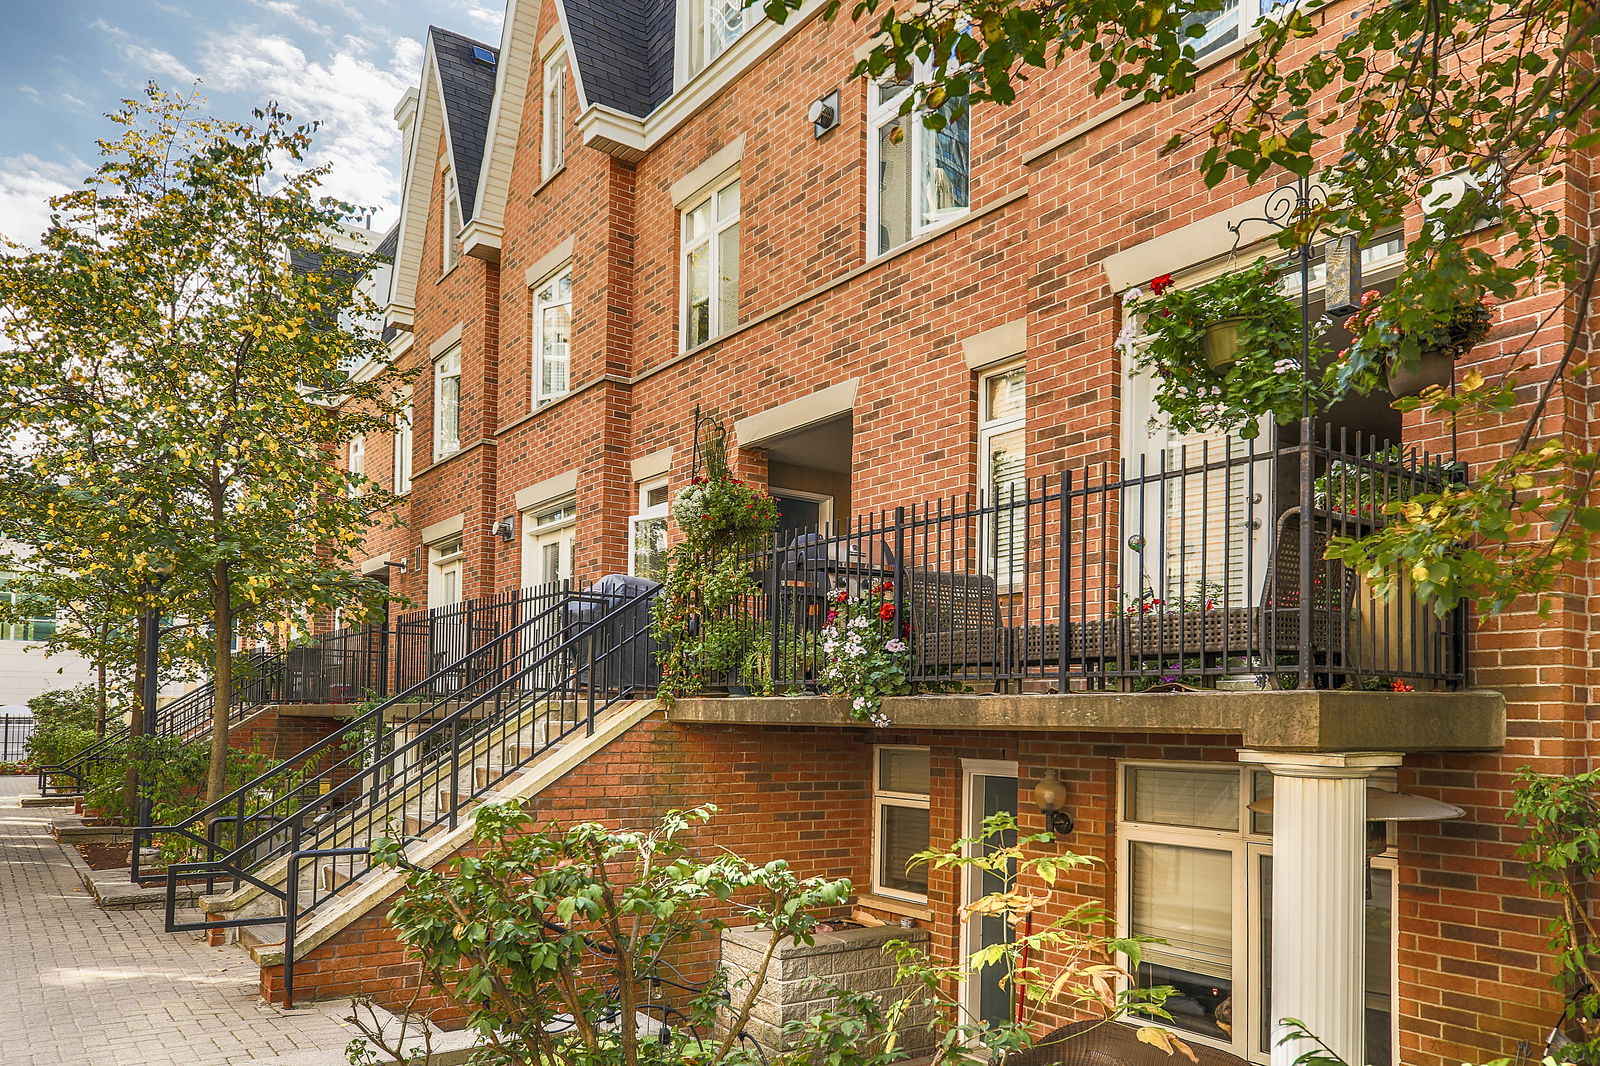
(1405, 347)
(1223, 343)
(1221, 354)
(1432, 368)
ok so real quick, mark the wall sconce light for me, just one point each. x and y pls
(506, 529)
(398, 564)
(824, 114)
(1051, 796)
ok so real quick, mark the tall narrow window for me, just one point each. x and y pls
(548, 549)
(555, 114)
(402, 448)
(647, 532)
(900, 783)
(451, 222)
(447, 404)
(711, 265)
(356, 463)
(918, 175)
(1003, 468)
(444, 577)
(713, 26)
(552, 340)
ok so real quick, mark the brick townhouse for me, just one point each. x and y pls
(625, 212)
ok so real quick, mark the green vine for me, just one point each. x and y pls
(704, 636)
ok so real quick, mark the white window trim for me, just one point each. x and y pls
(439, 376)
(987, 431)
(356, 461)
(563, 531)
(644, 513)
(443, 558)
(450, 247)
(553, 154)
(972, 879)
(713, 245)
(693, 18)
(1246, 847)
(404, 441)
(540, 397)
(879, 114)
(882, 798)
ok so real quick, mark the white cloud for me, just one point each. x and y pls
(148, 61)
(26, 183)
(352, 97)
(290, 11)
(486, 17)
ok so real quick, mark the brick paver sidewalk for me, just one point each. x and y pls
(83, 987)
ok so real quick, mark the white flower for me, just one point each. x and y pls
(1132, 296)
(861, 703)
(897, 645)
(880, 720)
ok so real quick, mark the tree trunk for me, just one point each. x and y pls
(222, 686)
(130, 777)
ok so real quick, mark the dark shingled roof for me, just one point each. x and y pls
(390, 245)
(468, 89)
(624, 51)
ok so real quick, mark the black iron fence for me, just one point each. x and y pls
(15, 729)
(1203, 566)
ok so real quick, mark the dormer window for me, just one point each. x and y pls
(452, 222)
(713, 25)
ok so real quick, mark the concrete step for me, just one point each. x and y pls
(50, 801)
(254, 937)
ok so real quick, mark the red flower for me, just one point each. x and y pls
(1161, 284)
(886, 611)
(1401, 686)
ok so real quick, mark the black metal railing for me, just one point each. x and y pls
(15, 729)
(1201, 566)
(189, 716)
(530, 689)
(240, 829)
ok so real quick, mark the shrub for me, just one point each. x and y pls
(64, 724)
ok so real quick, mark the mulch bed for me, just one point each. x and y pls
(110, 856)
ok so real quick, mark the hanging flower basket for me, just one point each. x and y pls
(1221, 354)
(1406, 347)
(1223, 343)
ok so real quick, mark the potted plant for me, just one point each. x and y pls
(1222, 354)
(1410, 348)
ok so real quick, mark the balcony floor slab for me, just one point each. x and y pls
(1314, 721)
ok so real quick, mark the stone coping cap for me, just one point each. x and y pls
(756, 939)
(1297, 720)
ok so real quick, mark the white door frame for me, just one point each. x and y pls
(824, 502)
(972, 879)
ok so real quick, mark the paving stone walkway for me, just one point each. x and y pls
(83, 987)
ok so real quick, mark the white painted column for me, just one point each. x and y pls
(1319, 859)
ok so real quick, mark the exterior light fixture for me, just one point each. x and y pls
(1343, 283)
(824, 114)
(506, 529)
(1051, 796)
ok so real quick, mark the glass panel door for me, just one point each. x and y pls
(990, 996)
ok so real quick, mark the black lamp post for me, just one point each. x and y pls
(156, 574)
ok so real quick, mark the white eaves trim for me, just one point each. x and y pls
(629, 138)
(519, 54)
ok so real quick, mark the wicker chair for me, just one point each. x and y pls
(1100, 1043)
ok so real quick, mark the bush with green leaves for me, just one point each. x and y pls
(64, 724)
(557, 939)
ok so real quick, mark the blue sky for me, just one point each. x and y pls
(65, 63)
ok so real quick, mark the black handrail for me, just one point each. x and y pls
(587, 665)
(232, 809)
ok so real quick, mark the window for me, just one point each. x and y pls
(1196, 871)
(899, 821)
(711, 265)
(1003, 468)
(552, 337)
(30, 618)
(555, 114)
(918, 175)
(548, 547)
(647, 533)
(357, 462)
(713, 26)
(451, 223)
(402, 447)
(444, 573)
(447, 404)
(1225, 26)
